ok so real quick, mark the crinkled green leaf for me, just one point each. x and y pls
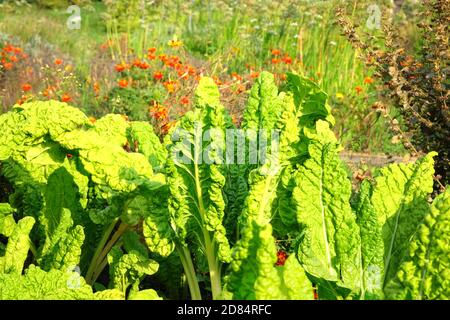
(310, 100)
(63, 239)
(109, 294)
(17, 248)
(37, 284)
(127, 269)
(330, 242)
(372, 246)
(145, 140)
(264, 105)
(424, 273)
(148, 294)
(400, 200)
(7, 222)
(196, 180)
(157, 230)
(30, 123)
(112, 127)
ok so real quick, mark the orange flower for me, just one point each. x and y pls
(13, 58)
(58, 61)
(276, 52)
(158, 75)
(151, 56)
(170, 86)
(96, 88)
(358, 89)
(166, 127)
(275, 60)
(22, 100)
(92, 120)
(120, 67)
(66, 98)
(287, 60)
(281, 258)
(282, 76)
(151, 50)
(8, 65)
(144, 65)
(184, 100)
(236, 76)
(254, 75)
(240, 88)
(123, 83)
(159, 111)
(368, 80)
(26, 87)
(163, 57)
(217, 81)
(136, 63)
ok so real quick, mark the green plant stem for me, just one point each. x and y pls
(189, 270)
(102, 260)
(33, 248)
(98, 251)
(214, 270)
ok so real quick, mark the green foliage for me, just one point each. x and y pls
(106, 208)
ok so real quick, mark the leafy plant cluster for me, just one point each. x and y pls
(104, 210)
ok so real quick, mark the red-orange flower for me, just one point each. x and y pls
(136, 63)
(96, 88)
(281, 258)
(275, 60)
(170, 86)
(254, 75)
(236, 76)
(151, 50)
(123, 83)
(26, 87)
(287, 60)
(144, 65)
(120, 67)
(276, 52)
(8, 65)
(368, 80)
(158, 75)
(166, 127)
(58, 61)
(184, 100)
(358, 89)
(159, 111)
(66, 98)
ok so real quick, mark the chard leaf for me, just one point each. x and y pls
(372, 245)
(400, 200)
(195, 173)
(264, 105)
(148, 294)
(143, 138)
(330, 240)
(128, 269)
(253, 272)
(7, 222)
(17, 248)
(63, 239)
(424, 273)
(37, 284)
(310, 100)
